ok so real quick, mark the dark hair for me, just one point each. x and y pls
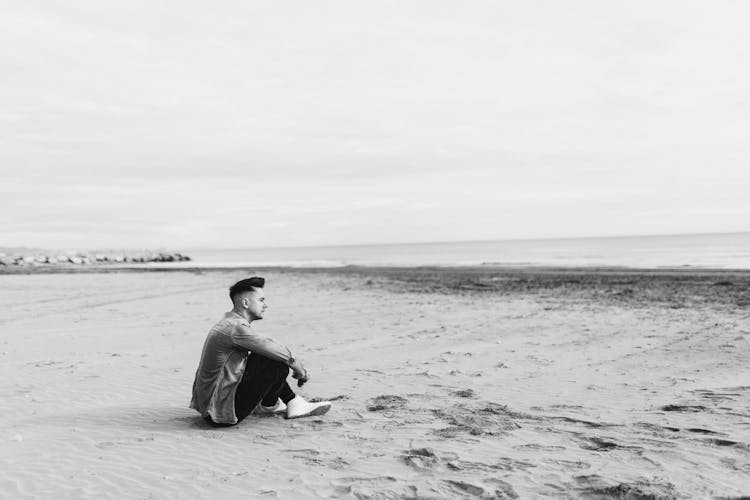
(246, 285)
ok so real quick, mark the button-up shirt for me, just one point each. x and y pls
(223, 362)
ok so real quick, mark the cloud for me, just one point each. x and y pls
(150, 122)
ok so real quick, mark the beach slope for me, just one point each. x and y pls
(473, 383)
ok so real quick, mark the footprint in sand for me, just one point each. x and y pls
(489, 419)
(464, 393)
(727, 442)
(428, 460)
(320, 424)
(684, 408)
(595, 443)
(701, 431)
(504, 464)
(371, 488)
(386, 402)
(594, 486)
(465, 487)
(502, 490)
(423, 459)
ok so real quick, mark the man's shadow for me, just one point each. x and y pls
(144, 418)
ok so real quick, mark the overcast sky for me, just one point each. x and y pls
(236, 123)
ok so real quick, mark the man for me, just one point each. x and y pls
(241, 372)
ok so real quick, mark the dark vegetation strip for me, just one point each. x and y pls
(674, 288)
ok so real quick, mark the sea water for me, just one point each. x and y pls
(725, 251)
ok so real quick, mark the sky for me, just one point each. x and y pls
(147, 123)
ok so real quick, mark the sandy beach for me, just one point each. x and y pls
(475, 383)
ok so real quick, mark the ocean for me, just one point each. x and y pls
(723, 251)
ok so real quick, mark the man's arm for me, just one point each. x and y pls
(245, 338)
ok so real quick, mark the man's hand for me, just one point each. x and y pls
(299, 373)
(302, 380)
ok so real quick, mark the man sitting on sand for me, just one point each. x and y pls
(241, 372)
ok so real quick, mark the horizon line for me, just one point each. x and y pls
(416, 243)
(444, 242)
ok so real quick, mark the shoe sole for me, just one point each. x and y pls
(320, 410)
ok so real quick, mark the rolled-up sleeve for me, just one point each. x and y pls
(243, 337)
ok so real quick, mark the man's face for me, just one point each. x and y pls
(255, 303)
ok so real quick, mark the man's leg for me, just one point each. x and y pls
(264, 380)
(283, 391)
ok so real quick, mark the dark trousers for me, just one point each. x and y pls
(264, 381)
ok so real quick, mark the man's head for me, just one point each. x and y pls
(247, 295)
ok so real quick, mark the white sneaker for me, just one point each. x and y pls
(298, 407)
(279, 407)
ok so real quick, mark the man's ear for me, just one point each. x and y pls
(245, 302)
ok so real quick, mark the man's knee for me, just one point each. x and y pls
(278, 368)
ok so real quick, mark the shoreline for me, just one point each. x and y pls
(353, 269)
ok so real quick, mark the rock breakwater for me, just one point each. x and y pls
(42, 258)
